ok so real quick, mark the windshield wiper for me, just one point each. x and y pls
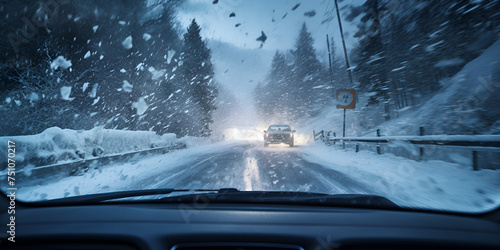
(287, 197)
(232, 195)
(95, 198)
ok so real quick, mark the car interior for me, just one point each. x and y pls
(203, 223)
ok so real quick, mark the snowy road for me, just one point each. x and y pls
(253, 167)
(248, 165)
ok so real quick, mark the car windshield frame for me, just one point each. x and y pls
(398, 101)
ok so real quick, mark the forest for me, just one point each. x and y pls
(82, 64)
(406, 52)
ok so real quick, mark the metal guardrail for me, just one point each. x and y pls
(474, 142)
(319, 135)
(39, 174)
(444, 140)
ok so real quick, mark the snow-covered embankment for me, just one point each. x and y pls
(55, 145)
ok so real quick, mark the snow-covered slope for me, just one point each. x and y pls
(58, 145)
(467, 102)
(432, 184)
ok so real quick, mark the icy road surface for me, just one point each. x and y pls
(253, 167)
(310, 168)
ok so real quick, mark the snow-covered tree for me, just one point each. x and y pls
(120, 59)
(297, 84)
(273, 97)
(197, 74)
(309, 76)
(370, 56)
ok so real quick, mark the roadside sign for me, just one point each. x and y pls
(346, 99)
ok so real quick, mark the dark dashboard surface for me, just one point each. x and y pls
(242, 226)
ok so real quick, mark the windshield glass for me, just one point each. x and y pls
(391, 98)
(279, 128)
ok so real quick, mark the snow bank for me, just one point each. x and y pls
(427, 184)
(131, 175)
(192, 141)
(55, 145)
(471, 93)
(467, 102)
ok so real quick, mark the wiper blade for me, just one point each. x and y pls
(353, 200)
(291, 198)
(95, 198)
(232, 195)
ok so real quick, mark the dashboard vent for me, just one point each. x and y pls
(235, 246)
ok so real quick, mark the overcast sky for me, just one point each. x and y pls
(275, 18)
(240, 61)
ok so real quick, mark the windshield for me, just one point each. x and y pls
(279, 128)
(397, 99)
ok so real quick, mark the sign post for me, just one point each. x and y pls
(347, 96)
(346, 99)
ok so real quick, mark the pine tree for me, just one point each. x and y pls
(274, 99)
(280, 70)
(308, 73)
(197, 73)
(99, 33)
(339, 69)
(295, 89)
(371, 69)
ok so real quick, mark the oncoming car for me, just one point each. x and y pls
(278, 133)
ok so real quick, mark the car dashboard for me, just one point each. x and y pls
(242, 226)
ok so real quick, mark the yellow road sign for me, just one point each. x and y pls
(346, 99)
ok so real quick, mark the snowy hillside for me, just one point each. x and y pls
(467, 102)
(55, 145)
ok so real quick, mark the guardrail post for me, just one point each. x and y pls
(343, 142)
(334, 135)
(421, 149)
(378, 145)
(357, 148)
(475, 166)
